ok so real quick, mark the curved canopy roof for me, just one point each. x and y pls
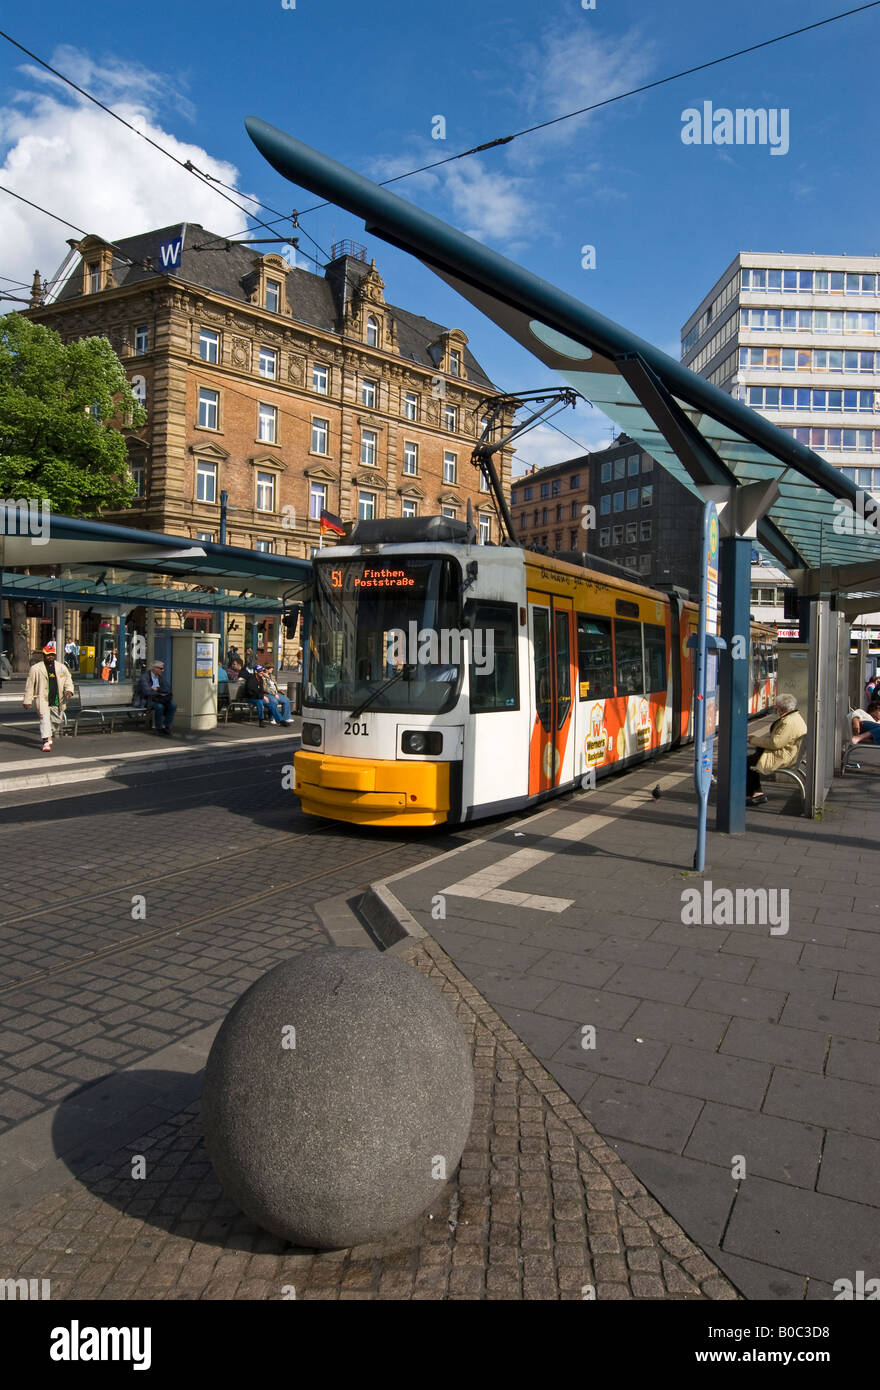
(692, 428)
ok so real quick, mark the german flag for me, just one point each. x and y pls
(329, 522)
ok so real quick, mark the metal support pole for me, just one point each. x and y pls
(735, 567)
(224, 504)
(121, 665)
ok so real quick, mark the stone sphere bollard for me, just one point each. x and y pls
(338, 1096)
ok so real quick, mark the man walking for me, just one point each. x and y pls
(153, 692)
(49, 686)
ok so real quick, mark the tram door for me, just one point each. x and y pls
(551, 747)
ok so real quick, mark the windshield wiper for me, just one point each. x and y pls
(403, 674)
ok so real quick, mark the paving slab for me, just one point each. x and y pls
(712, 1039)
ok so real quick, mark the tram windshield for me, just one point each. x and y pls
(385, 634)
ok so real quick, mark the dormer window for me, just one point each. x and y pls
(273, 296)
(372, 331)
(94, 277)
(454, 362)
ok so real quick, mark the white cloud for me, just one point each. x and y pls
(66, 155)
(568, 70)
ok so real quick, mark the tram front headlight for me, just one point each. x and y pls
(416, 741)
(312, 735)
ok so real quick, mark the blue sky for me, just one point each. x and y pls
(363, 83)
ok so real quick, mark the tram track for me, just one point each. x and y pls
(146, 938)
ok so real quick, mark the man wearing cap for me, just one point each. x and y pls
(154, 693)
(49, 685)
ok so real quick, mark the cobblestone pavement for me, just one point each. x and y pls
(135, 914)
(541, 1208)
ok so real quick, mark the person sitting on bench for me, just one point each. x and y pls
(776, 749)
(866, 724)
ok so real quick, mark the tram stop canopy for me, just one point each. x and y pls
(90, 563)
(775, 489)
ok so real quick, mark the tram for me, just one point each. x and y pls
(447, 681)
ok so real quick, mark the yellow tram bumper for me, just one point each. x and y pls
(372, 793)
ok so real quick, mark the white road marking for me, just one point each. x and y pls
(486, 884)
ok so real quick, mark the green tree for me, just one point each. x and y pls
(58, 442)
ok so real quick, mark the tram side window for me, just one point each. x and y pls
(628, 642)
(494, 632)
(655, 658)
(595, 666)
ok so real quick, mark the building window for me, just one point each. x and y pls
(619, 468)
(631, 532)
(139, 474)
(411, 406)
(269, 363)
(555, 486)
(449, 511)
(606, 471)
(265, 492)
(409, 507)
(209, 345)
(617, 535)
(632, 497)
(544, 516)
(204, 535)
(141, 339)
(618, 501)
(605, 504)
(647, 495)
(449, 466)
(320, 379)
(485, 530)
(633, 465)
(273, 296)
(410, 458)
(317, 500)
(372, 332)
(209, 409)
(559, 511)
(366, 506)
(647, 463)
(450, 417)
(368, 448)
(268, 423)
(557, 541)
(573, 510)
(94, 278)
(454, 362)
(545, 490)
(644, 564)
(630, 562)
(206, 481)
(484, 482)
(320, 435)
(574, 540)
(604, 537)
(265, 547)
(645, 530)
(574, 481)
(527, 494)
(368, 394)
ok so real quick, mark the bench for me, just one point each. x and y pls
(797, 773)
(104, 718)
(241, 709)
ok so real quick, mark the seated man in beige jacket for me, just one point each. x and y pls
(49, 685)
(775, 749)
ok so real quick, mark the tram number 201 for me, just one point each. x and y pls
(355, 727)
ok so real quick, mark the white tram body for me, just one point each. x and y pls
(560, 674)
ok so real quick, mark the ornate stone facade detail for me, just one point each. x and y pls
(296, 369)
(241, 352)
